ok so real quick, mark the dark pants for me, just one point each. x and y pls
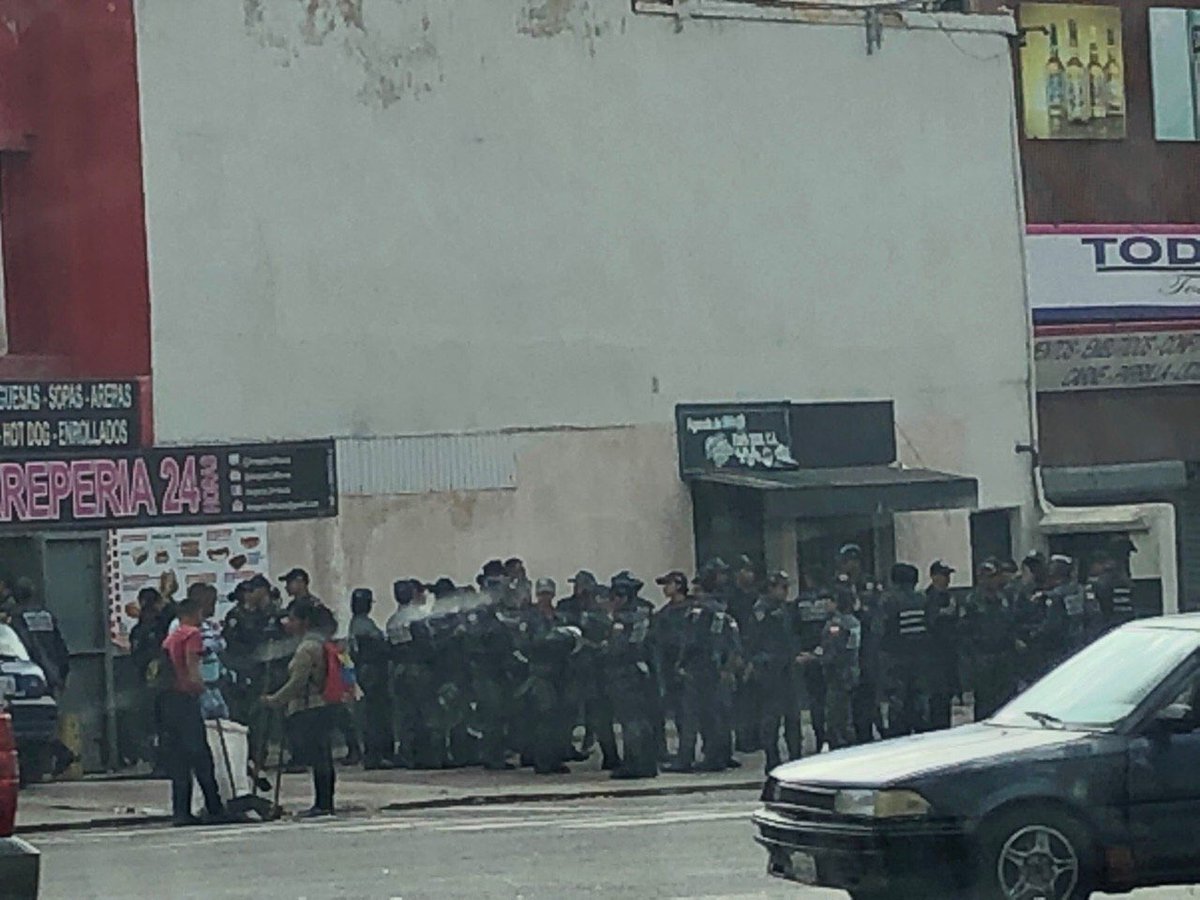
(633, 710)
(814, 681)
(548, 725)
(777, 703)
(865, 703)
(671, 705)
(994, 685)
(342, 717)
(706, 712)
(598, 716)
(941, 709)
(312, 732)
(838, 713)
(185, 751)
(375, 722)
(748, 714)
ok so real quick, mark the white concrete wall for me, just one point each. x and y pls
(563, 517)
(447, 215)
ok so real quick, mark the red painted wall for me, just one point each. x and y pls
(74, 238)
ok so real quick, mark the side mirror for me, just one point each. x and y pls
(1178, 718)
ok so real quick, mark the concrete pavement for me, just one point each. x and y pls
(635, 848)
(73, 805)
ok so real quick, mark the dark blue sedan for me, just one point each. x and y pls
(1088, 781)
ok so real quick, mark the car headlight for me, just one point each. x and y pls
(881, 804)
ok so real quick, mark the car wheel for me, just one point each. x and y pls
(1036, 853)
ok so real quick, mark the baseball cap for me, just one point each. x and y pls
(672, 577)
(940, 568)
(362, 595)
(850, 550)
(778, 578)
(584, 577)
(293, 574)
(745, 564)
(989, 567)
(256, 583)
(546, 586)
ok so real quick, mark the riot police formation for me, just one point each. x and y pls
(504, 674)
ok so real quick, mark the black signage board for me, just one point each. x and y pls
(734, 437)
(50, 417)
(169, 486)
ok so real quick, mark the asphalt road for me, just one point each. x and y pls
(671, 847)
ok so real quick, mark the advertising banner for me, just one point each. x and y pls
(1072, 72)
(1175, 73)
(68, 417)
(220, 555)
(170, 486)
(1128, 359)
(753, 436)
(1113, 273)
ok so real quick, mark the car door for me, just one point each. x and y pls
(1164, 787)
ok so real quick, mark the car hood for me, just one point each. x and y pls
(891, 761)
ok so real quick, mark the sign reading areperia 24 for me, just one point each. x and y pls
(170, 486)
(742, 436)
(1113, 273)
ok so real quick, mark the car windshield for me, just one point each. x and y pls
(10, 645)
(1104, 683)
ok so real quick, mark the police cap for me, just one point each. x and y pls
(546, 586)
(940, 568)
(293, 574)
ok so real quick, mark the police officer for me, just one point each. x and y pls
(699, 674)
(813, 611)
(39, 632)
(490, 645)
(942, 614)
(839, 657)
(667, 632)
(588, 697)
(743, 595)
(1030, 612)
(629, 676)
(906, 654)
(771, 647)
(371, 653)
(868, 609)
(548, 644)
(1112, 588)
(1066, 590)
(989, 628)
(414, 653)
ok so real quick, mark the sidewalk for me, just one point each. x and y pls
(101, 803)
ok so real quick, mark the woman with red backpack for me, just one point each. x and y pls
(304, 696)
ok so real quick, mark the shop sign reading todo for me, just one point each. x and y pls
(734, 436)
(169, 485)
(1080, 273)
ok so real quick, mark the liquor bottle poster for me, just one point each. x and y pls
(1072, 72)
(1175, 73)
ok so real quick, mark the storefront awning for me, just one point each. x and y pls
(857, 491)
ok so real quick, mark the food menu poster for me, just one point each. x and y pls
(220, 555)
(1072, 72)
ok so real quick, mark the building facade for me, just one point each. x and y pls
(496, 252)
(1111, 163)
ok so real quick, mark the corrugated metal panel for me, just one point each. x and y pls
(418, 464)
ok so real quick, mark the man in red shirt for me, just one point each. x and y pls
(185, 746)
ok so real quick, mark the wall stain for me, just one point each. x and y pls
(401, 63)
(552, 18)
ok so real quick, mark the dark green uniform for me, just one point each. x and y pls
(906, 661)
(629, 677)
(371, 653)
(771, 645)
(548, 645)
(840, 643)
(989, 628)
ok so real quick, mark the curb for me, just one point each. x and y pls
(468, 800)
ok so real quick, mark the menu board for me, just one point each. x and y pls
(68, 416)
(220, 555)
